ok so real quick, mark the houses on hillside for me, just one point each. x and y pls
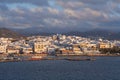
(56, 44)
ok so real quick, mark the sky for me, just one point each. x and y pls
(60, 15)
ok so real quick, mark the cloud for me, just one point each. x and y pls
(60, 15)
(35, 2)
(53, 11)
(3, 7)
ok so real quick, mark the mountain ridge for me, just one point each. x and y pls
(96, 33)
(8, 33)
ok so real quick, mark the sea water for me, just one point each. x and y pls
(103, 68)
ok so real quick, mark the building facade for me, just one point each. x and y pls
(40, 47)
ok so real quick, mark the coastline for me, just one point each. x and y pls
(92, 55)
(39, 57)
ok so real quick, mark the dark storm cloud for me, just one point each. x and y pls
(35, 2)
(114, 23)
(3, 7)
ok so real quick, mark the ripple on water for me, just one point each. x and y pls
(104, 68)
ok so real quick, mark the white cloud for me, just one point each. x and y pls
(2, 18)
(70, 13)
(53, 11)
(37, 9)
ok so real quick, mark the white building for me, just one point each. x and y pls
(40, 47)
(3, 48)
(27, 50)
(12, 49)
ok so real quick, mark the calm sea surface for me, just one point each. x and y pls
(104, 68)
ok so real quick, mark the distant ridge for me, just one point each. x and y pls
(7, 33)
(94, 34)
(106, 34)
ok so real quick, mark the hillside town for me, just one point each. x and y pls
(55, 45)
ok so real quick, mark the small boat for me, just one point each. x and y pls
(80, 59)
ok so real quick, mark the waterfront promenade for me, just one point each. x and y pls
(34, 57)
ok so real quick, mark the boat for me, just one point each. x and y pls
(80, 59)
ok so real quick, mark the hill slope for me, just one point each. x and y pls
(96, 34)
(4, 32)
